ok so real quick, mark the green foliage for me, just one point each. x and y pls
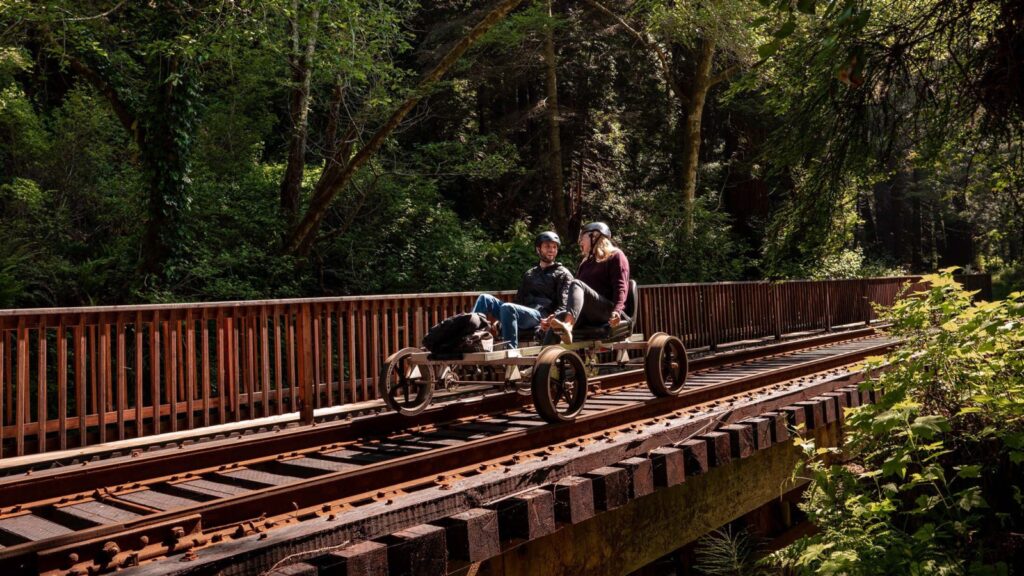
(660, 251)
(851, 263)
(728, 553)
(931, 482)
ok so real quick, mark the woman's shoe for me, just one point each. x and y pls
(564, 330)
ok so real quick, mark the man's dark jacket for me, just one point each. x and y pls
(545, 289)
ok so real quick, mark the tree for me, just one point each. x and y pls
(703, 31)
(339, 171)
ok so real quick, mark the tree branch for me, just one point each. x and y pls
(121, 109)
(335, 177)
(723, 75)
(662, 57)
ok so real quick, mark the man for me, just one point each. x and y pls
(542, 292)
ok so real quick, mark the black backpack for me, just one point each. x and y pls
(466, 332)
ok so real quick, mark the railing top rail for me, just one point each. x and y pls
(364, 298)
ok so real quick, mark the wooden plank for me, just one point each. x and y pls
(251, 375)
(33, 528)
(574, 499)
(222, 368)
(526, 516)
(471, 535)
(22, 408)
(317, 359)
(420, 550)
(122, 376)
(206, 398)
(41, 390)
(231, 384)
(278, 376)
(328, 354)
(170, 369)
(364, 369)
(260, 477)
(5, 385)
(99, 512)
(105, 374)
(190, 369)
(265, 364)
(154, 369)
(291, 318)
(139, 368)
(350, 321)
(211, 488)
(81, 406)
(157, 500)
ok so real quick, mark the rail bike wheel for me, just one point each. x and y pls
(665, 365)
(407, 389)
(559, 384)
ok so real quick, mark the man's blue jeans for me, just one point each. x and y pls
(512, 316)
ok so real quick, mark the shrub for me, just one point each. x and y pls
(931, 482)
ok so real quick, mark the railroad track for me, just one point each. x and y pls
(106, 517)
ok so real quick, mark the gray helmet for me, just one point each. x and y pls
(599, 227)
(547, 237)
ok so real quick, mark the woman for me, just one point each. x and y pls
(598, 294)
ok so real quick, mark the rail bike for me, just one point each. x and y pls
(554, 374)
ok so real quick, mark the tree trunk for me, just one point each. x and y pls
(167, 143)
(691, 130)
(337, 174)
(334, 118)
(556, 183)
(299, 61)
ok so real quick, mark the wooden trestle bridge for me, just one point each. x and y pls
(248, 437)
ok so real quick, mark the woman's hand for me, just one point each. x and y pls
(614, 320)
(544, 322)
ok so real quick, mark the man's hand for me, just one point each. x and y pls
(614, 320)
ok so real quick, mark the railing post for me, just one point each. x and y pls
(776, 311)
(828, 305)
(866, 305)
(305, 363)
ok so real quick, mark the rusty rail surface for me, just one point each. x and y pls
(71, 377)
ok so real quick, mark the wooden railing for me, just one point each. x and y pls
(71, 377)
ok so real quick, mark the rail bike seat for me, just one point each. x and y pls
(605, 331)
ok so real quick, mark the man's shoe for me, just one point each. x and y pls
(564, 330)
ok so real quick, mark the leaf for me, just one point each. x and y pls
(806, 6)
(785, 30)
(971, 499)
(929, 426)
(969, 471)
(813, 552)
(766, 50)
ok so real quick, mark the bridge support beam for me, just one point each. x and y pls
(625, 539)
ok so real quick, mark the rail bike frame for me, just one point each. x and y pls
(554, 375)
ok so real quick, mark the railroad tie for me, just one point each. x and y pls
(527, 516)
(611, 487)
(668, 466)
(365, 558)
(417, 551)
(641, 476)
(472, 536)
(574, 499)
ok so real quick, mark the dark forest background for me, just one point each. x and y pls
(177, 150)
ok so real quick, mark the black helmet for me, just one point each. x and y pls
(547, 237)
(599, 227)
